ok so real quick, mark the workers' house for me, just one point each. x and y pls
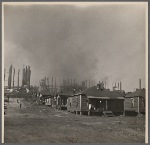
(61, 100)
(97, 99)
(135, 101)
(46, 98)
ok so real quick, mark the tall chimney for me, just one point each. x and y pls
(52, 84)
(140, 84)
(120, 86)
(68, 80)
(89, 83)
(26, 75)
(55, 85)
(29, 75)
(105, 84)
(14, 78)
(60, 86)
(71, 82)
(48, 84)
(86, 83)
(10, 77)
(18, 78)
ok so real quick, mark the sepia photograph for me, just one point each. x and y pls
(75, 72)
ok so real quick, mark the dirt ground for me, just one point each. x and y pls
(35, 123)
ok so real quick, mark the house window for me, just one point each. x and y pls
(143, 102)
(132, 102)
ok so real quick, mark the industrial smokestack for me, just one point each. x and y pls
(89, 83)
(14, 78)
(48, 82)
(86, 83)
(105, 84)
(28, 73)
(71, 82)
(68, 80)
(55, 85)
(23, 73)
(52, 84)
(10, 77)
(18, 78)
(45, 81)
(140, 84)
(120, 86)
(29, 76)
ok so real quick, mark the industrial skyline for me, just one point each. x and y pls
(85, 43)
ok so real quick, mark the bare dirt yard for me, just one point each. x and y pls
(35, 123)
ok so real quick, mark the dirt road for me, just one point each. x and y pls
(41, 124)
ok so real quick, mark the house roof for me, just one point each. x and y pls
(67, 93)
(137, 93)
(45, 93)
(105, 93)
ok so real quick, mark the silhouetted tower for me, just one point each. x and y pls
(10, 77)
(14, 78)
(18, 78)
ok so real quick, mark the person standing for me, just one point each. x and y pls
(20, 105)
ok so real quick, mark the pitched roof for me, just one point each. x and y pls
(93, 91)
(46, 93)
(66, 93)
(137, 93)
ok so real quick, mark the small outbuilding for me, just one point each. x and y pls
(135, 101)
(46, 98)
(61, 100)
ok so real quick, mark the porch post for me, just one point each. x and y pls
(88, 108)
(106, 106)
(124, 104)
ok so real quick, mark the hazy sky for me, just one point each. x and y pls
(94, 42)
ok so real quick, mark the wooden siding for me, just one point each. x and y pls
(84, 103)
(73, 103)
(142, 104)
(77, 103)
(130, 107)
(115, 105)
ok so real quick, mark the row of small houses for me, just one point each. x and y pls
(95, 100)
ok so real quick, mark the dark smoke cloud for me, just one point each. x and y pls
(93, 43)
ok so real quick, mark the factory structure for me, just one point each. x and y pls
(92, 99)
(14, 84)
(26, 75)
(83, 98)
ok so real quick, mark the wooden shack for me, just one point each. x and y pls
(96, 100)
(46, 98)
(61, 100)
(135, 101)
